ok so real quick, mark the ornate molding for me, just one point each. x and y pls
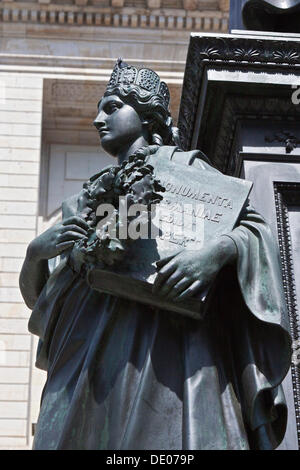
(285, 194)
(70, 91)
(228, 52)
(98, 13)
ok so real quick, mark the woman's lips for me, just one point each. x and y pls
(103, 132)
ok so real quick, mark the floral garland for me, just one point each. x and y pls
(132, 182)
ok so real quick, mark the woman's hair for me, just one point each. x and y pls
(153, 110)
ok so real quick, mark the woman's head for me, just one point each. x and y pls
(142, 90)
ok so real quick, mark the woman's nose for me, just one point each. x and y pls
(99, 122)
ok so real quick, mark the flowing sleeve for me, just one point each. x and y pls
(45, 313)
(260, 331)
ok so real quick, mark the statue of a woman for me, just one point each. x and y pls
(123, 375)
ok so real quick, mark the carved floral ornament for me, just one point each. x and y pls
(240, 49)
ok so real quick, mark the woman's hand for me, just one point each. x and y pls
(190, 272)
(58, 238)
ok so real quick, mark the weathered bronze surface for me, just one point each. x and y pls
(126, 375)
(282, 16)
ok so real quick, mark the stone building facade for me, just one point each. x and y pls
(55, 60)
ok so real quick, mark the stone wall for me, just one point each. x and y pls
(20, 139)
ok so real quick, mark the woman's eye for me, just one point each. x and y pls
(112, 107)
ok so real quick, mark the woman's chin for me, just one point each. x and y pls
(108, 148)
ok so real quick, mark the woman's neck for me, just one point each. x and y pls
(137, 144)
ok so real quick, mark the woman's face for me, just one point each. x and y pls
(118, 124)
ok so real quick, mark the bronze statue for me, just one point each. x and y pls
(125, 375)
(282, 16)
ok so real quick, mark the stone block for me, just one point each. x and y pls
(15, 342)
(70, 17)
(14, 375)
(61, 17)
(79, 18)
(16, 392)
(21, 94)
(15, 359)
(189, 23)
(17, 326)
(17, 208)
(134, 21)
(143, 21)
(29, 130)
(34, 16)
(12, 80)
(98, 19)
(15, 15)
(19, 250)
(18, 221)
(152, 21)
(224, 5)
(18, 194)
(12, 427)
(20, 117)
(117, 3)
(13, 410)
(12, 443)
(89, 18)
(153, 3)
(21, 181)
(8, 141)
(8, 279)
(190, 4)
(25, 14)
(11, 265)
(116, 20)
(14, 310)
(20, 105)
(170, 22)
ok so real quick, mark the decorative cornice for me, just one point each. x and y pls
(239, 107)
(228, 51)
(96, 13)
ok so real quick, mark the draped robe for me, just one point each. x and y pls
(123, 375)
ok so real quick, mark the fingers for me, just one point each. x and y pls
(191, 291)
(76, 220)
(69, 236)
(179, 287)
(162, 262)
(162, 275)
(73, 228)
(170, 282)
(64, 246)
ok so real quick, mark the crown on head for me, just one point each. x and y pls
(126, 76)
